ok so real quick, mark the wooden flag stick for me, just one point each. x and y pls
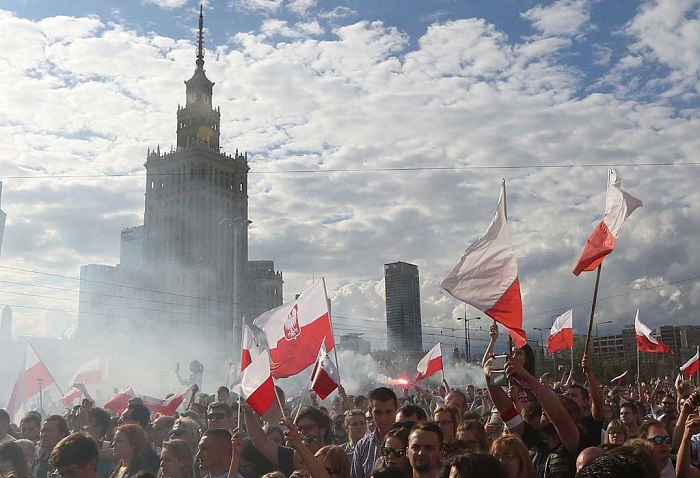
(595, 299)
(279, 402)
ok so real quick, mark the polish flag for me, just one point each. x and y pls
(619, 377)
(486, 276)
(120, 401)
(257, 387)
(618, 206)
(431, 363)
(168, 406)
(294, 330)
(691, 366)
(561, 336)
(89, 372)
(645, 341)
(76, 391)
(33, 378)
(251, 347)
(325, 377)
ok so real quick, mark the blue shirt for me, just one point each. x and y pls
(365, 455)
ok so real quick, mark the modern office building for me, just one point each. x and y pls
(403, 316)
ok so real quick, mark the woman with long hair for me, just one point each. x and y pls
(129, 448)
(334, 460)
(176, 460)
(447, 417)
(12, 460)
(617, 433)
(186, 429)
(511, 452)
(392, 453)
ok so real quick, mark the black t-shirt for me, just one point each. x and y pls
(557, 462)
(594, 430)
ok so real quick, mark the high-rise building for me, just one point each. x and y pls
(186, 269)
(403, 318)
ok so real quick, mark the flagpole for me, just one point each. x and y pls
(638, 370)
(697, 374)
(595, 299)
(41, 394)
(279, 402)
(505, 211)
(572, 357)
(335, 349)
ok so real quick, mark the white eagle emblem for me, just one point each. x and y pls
(292, 330)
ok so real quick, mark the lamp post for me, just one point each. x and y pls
(467, 340)
(236, 225)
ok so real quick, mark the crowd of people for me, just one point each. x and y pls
(527, 427)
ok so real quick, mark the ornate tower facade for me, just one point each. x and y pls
(196, 218)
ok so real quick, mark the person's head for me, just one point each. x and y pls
(629, 415)
(457, 399)
(668, 404)
(447, 417)
(513, 455)
(75, 456)
(616, 433)
(383, 405)
(196, 366)
(220, 415)
(4, 422)
(334, 460)
(473, 435)
(524, 356)
(12, 460)
(355, 424)
(547, 427)
(176, 460)
(580, 395)
(425, 448)
(214, 451)
(410, 413)
(129, 443)
(30, 426)
(614, 466)
(655, 433)
(100, 422)
(274, 433)
(640, 450)
(223, 394)
(669, 422)
(313, 425)
(28, 448)
(531, 413)
(469, 465)
(160, 429)
(587, 455)
(52, 431)
(135, 413)
(186, 429)
(361, 402)
(608, 412)
(393, 449)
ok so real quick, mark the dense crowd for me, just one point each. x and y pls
(528, 426)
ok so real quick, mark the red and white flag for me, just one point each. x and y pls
(89, 372)
(486, 276)
(251, 347)
(561, 337)
(296, 329)
(431, 363)
(76, 391)
(33, 378)
(619, 377)
(257, 387)
(691, 366)
(618, 206)
(325, 377)
(645, 341)
(120, 401)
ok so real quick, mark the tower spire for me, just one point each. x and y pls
(200, 39)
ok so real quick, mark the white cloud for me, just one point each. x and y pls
(561, 18)
(168, 4)
(301, 7)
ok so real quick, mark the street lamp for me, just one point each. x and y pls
(467, 341)
(235, 225)
(541, 329)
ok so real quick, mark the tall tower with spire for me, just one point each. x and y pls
(196, 216)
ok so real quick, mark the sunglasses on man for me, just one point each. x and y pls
(661, 440)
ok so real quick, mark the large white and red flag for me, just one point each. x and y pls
(295, 331)
(33, 378)
(561, 337)
(486, 276)
(250, 347)
(646, 342)
(691, 366)
(88, 373)
(619, 205)
(431, 363)
(257, 387)
(325, 377)
(120, 400)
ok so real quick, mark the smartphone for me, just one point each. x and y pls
(498, 370)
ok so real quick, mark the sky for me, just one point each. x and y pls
(376, 132)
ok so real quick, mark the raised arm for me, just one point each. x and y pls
(237, 445)
(346, 401)
(257, 435)
(493, 333)
(313, 464)
(551, 405)
(506, 408)
(687, 408)
(597, 396)
(683, 467)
